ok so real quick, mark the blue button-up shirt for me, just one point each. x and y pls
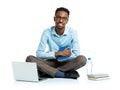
(54, 42)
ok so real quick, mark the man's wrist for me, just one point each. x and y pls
(58, 54)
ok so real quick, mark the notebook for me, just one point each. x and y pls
(62, 58)
(98, 76)
(25, 71)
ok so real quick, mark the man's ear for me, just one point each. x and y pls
(67, 21)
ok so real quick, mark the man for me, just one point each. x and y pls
(56, 37)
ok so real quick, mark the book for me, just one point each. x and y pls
(98, 76)
(97, 79)
(62, 58)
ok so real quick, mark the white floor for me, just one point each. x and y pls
(7, 82)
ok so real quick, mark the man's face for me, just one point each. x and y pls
(61, 19)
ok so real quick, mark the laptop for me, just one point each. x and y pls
(25, 71)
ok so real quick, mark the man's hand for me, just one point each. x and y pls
(65, 52)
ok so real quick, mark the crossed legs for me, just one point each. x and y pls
(50, 67)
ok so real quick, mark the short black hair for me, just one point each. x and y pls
(63, 9)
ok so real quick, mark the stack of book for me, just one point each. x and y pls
(98, 76)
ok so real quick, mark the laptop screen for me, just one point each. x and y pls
(25, 71)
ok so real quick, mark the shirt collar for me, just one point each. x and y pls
(54, 32)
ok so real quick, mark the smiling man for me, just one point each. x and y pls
(63, 58)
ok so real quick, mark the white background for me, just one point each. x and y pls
(96, 21)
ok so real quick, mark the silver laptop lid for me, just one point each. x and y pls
(25, 71)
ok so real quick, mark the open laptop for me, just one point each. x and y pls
(25, 71)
